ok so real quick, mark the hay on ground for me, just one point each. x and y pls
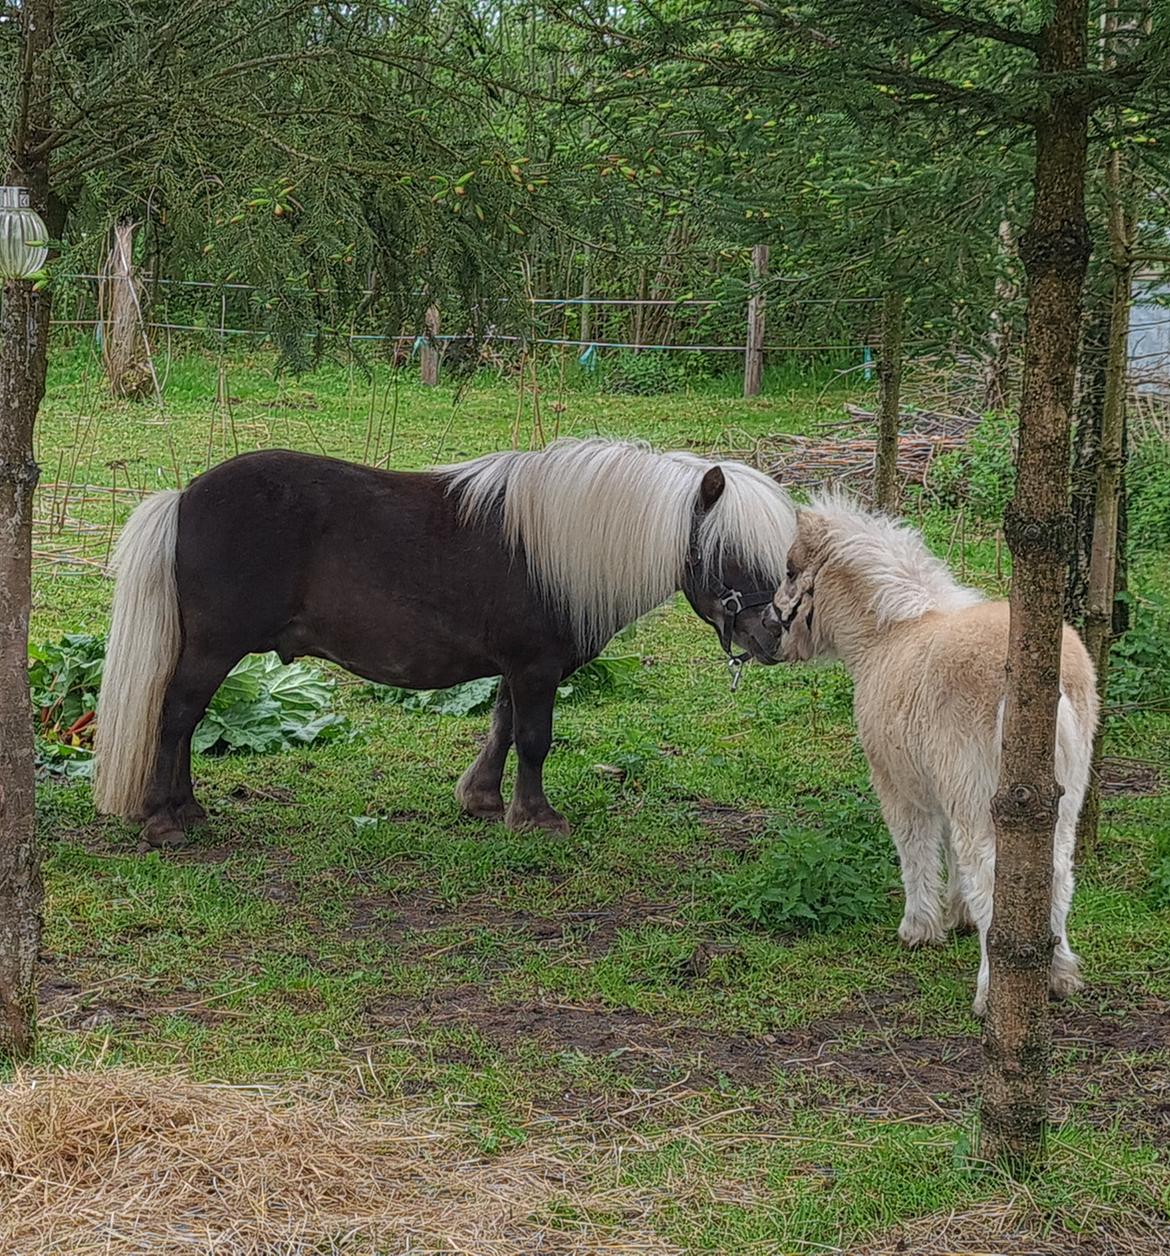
(123, 1162)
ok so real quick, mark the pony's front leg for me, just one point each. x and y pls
(478, 791)
(533, 695)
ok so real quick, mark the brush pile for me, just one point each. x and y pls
(845, 454)
(124, 1162)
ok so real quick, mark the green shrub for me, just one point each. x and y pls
(983, 474)
(1139, 663)
(1147, 479)
(617, 674)
(262, 706)
(815, 879)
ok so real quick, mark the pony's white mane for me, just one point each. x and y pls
(889, 559)
(605, 526)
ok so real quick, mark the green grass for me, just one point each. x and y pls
(814, 1088)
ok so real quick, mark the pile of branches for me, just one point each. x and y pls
(846, 453)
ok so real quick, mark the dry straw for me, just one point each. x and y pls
(123, 1161)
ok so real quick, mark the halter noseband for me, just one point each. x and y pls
(734, 602)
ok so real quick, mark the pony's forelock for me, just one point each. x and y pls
(888, 560)
(606, 526)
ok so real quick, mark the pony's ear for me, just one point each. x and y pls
(711, 488)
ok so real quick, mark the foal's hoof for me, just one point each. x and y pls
(521, 821)
(916, 933)
(1064, 982)
(161, 833)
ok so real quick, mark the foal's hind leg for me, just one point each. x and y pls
(533, 695)
(478, 791)
(956, 915)
(170, 803)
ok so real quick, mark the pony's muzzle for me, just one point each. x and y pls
(771, 621)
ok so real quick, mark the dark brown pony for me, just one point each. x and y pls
(519, 564)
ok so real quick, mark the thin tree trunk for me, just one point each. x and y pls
(885, 471)
(125, 352)
(429, 353)
(999, 338)
(1099, 602)
(1090, 405)
(24, 333)
(753, 362)
(1018, 1034)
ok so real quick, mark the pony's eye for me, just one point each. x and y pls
(790, 572)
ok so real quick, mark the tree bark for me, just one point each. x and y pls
(24, 333)
(1103, 559)
(1055, 250)
(889, 373)
(429, 353)
(753, 362)
(1090, 405)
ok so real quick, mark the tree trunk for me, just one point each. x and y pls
(999, 337)
(889, 372)
(125, 351)
(1055, 249)
(1090, 405)
(429, 353)
(753, 362)
(1099, 601)
(24, 333)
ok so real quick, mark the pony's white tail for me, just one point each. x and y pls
(140, 656)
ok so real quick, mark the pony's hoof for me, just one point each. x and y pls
(979, 1007)
(520, 821)
(958, 920)
(161, 833)
(483, 806)
(191, 815)
(916, 933)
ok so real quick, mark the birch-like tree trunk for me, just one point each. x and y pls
(1055, 251)
(889, 373)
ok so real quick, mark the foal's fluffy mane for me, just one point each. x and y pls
(890, 560)
(606, 526)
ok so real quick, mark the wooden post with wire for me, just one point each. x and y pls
(753, 362)
(429, 353)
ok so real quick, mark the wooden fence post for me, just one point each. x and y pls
(753, 362)
(429, 353)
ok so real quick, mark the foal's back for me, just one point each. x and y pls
(928, 701)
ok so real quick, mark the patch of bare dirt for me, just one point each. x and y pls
(734, 829)
(868, 1055)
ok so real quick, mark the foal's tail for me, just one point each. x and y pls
(140, 657)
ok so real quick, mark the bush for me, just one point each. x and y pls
(982, 475)
(1139, 664)
(1147, 479)
(815, 879)
(614, 675)
(262, 706)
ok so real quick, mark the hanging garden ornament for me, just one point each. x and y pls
(24, 238)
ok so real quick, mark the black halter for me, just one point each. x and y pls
(734, 602)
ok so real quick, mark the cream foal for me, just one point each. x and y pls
(927, 659)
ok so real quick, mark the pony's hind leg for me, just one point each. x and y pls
(1065, 975)
(478, 791)
(170, 805)
(533, 695)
